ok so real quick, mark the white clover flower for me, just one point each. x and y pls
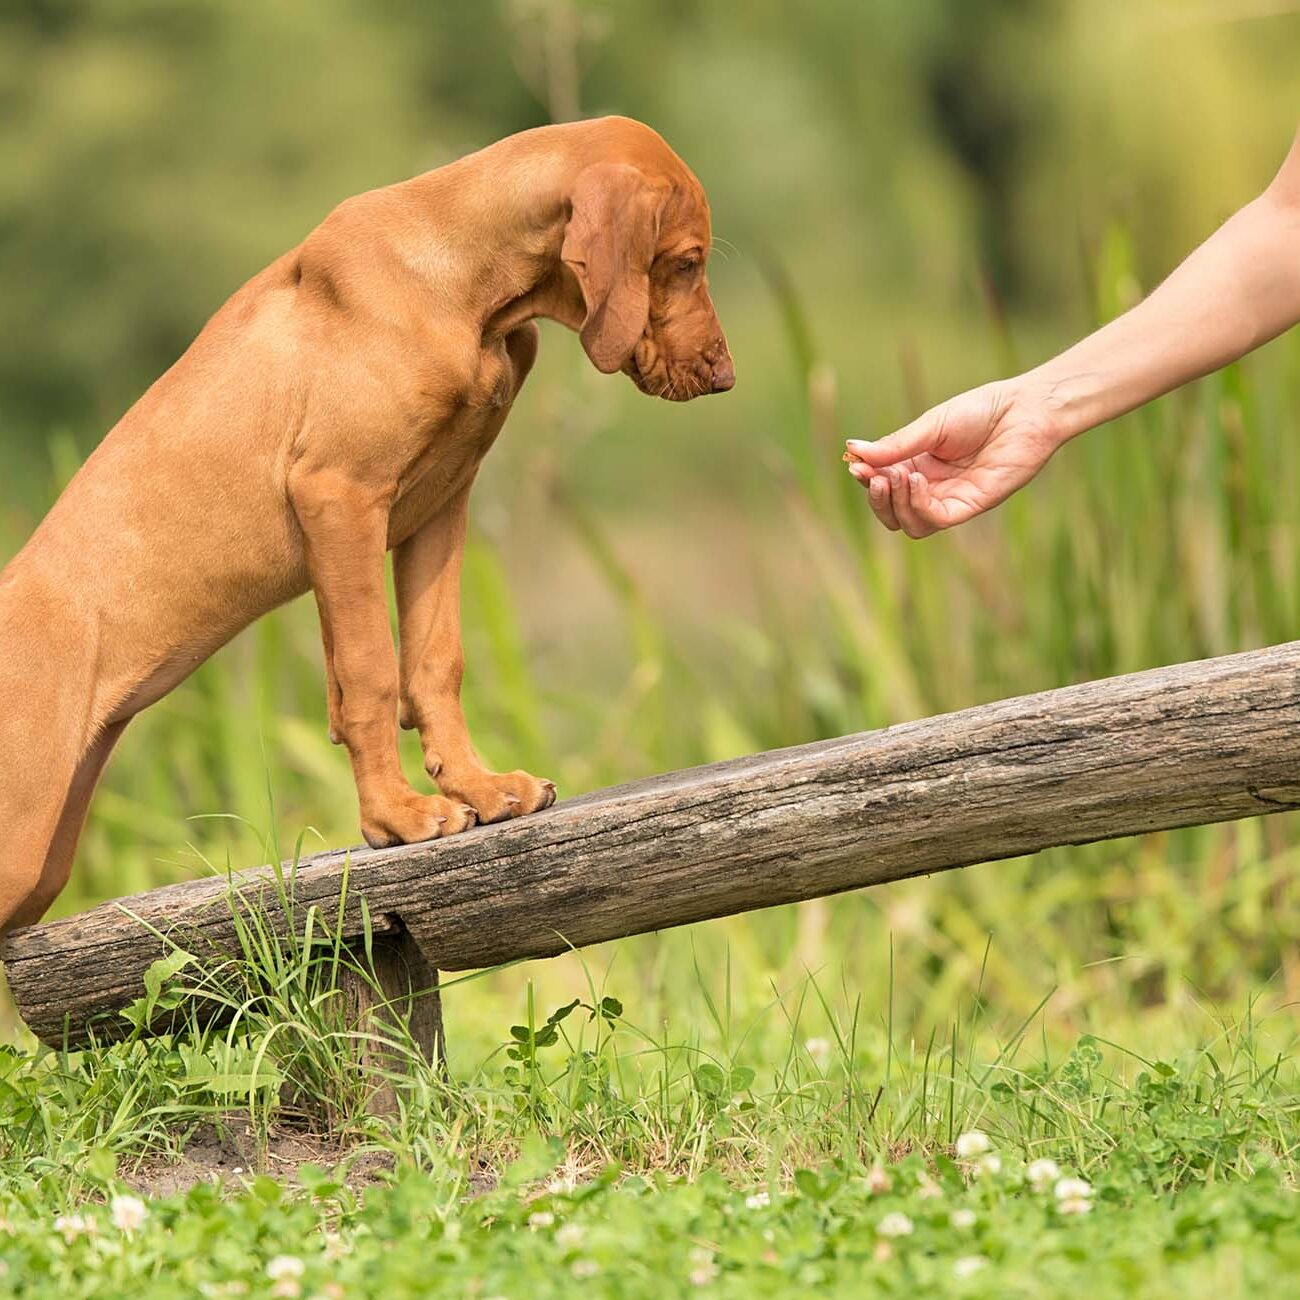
(562, 1185)
(570, 1235)
(287, 1288)
(703, 1267)
(1071, 1189)
(758, 1201)
(128, 1213)
(878, 1180)
(963, 1218)
(72, 1226)
(928, 1189)
(968, 1265)
(542, 1219)
(820, 1051)
(335, 1247)
(988, 1164)
(883, 1251)
(972, 1144)
(1074, 1205)
(895, 1224)
(1042, 1173)
(584, 1268)
(284, 1266)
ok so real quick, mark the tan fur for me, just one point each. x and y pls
(336, 407)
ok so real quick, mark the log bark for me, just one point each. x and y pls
(1178, 746)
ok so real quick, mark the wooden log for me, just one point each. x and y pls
(1177, 746)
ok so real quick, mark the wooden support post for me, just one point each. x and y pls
(402, 998)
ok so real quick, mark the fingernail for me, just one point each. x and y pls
(915, 480)
(877, 486)
(857, 442)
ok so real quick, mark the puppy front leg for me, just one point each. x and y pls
(426, 572)
(345, 528)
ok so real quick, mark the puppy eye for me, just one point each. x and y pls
(687, 264)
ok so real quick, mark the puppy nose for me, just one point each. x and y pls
(724, 376)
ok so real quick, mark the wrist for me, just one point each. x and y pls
(1058, 407)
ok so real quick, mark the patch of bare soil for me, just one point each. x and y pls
(230, 1150)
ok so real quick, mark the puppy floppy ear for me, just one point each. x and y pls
(609, 244)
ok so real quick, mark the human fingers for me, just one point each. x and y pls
(911, 440)
(906, 491)
(878, 496)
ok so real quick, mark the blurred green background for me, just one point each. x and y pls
(909, 198)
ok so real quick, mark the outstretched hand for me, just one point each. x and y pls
(959, 459)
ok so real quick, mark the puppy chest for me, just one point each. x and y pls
(445, 468)
(493, 387)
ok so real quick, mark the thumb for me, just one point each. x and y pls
(911, 440)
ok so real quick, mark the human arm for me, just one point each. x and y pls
(1236, 291)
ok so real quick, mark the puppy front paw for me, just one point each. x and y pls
(410, 820)
(498, 796)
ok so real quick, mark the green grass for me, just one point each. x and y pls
(931, 1233)
(751, 1160)
(1125, 1009)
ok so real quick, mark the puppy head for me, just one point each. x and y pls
(637, 240)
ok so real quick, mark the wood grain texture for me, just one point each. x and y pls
(1193, 743)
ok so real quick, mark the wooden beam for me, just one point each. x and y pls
(1193, 743)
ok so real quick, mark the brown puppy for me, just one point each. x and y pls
(336, 407)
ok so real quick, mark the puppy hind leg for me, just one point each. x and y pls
(33, 788)
(63, 844)
(45, 692)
